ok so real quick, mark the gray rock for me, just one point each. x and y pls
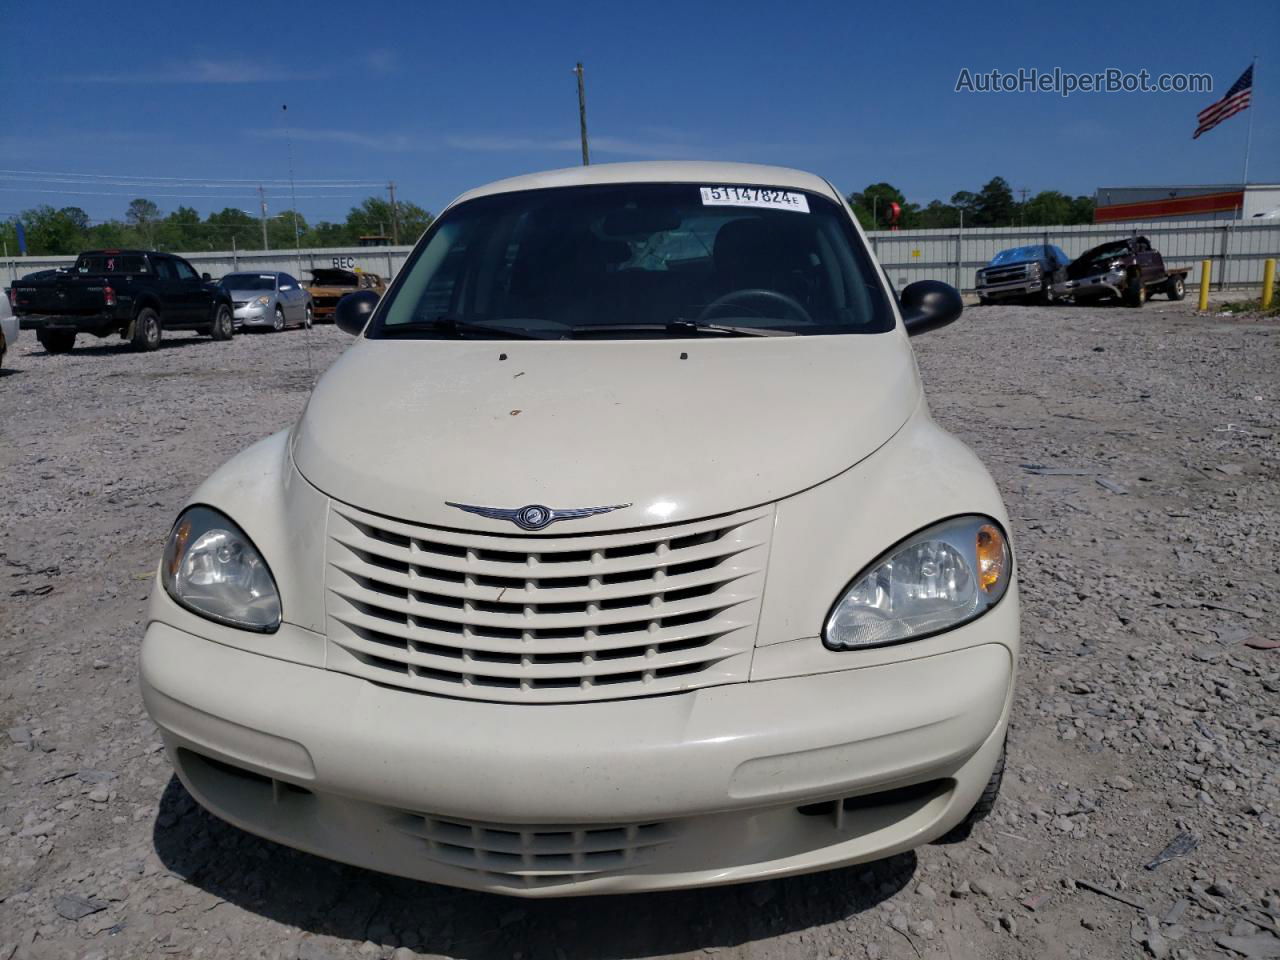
(310, 949)
(22, 736)
(72, 906)
(1223, 888)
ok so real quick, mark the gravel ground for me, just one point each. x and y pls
(1137, 453)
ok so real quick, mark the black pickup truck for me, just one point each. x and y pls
(1127, 270)
(135, 293)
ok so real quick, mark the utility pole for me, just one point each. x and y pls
(395, 215)
(263, 197)
(582, 114)
(1022, 208)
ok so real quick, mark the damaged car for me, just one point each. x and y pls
(331, 284)
(1128, 270)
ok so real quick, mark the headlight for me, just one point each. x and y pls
(937, 579)
(211, 568)
(260, 301)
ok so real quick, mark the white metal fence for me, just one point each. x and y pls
(1236, 248)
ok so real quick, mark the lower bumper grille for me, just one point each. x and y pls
(544, 619)
(537, 854)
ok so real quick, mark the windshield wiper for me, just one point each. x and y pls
(449, 324)
(680, 328)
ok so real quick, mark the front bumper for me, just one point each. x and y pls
(713, 786)
(253, 317)
(1011, 288)
(1110, 284)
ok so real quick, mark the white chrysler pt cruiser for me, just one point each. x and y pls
(619, 552)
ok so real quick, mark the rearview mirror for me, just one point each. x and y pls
(205, 276)
(929, 304)
(353, 311)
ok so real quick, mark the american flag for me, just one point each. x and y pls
(1237, 99)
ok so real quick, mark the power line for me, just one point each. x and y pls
(180, 196)
(279, 181)
(144, 184)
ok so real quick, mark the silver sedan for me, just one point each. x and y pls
(274, 300)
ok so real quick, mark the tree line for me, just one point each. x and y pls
(992, 206)
(66, 230)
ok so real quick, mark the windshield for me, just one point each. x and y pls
(1017, 255)
(1102, 256)
(249, 281)
(638, 260)
(111, 263)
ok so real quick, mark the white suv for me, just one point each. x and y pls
(619, 552)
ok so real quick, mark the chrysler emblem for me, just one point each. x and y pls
(534, 516)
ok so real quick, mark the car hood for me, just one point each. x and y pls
(674, 429)
(1011, 263)
(1092, 261)
(250, 294)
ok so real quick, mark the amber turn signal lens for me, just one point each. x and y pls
(179, 546)
(993, 558)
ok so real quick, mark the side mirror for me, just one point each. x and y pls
(353, 311)
(929, 304)
(205, 276)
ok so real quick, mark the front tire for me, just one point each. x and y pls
(306, 323)
(278, 323)
(146, 330)
(1135, 291)
(1177, 288)
(57, 341)
(986, 803)
(223, 327)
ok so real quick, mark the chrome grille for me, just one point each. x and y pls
(537, 855)
(544, 619)
(993, 275)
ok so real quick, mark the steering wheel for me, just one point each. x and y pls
(792, 306)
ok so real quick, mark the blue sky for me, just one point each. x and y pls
(440, 97)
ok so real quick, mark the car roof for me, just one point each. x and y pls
(681, 171)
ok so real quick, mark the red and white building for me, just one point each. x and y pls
(1207, 202)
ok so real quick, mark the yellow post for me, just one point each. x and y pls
(1206, 268)
(1268, 281)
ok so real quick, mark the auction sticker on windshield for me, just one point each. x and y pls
(754, 197)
